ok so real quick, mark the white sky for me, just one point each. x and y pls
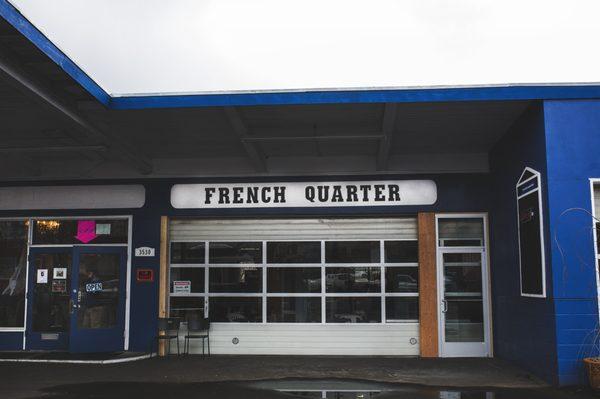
(199, 46)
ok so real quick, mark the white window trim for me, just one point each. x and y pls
(322, 265)
(538, 190)
(595, 182)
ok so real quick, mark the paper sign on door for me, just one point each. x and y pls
(42, 276)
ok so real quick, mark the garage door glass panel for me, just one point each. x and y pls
(235, 310)
(463, 300)
(353, 279)
(187, 280)
(294, 310)
(99, 290)
(401, 251)
(51, 295)
(187, 252)
(294, 280)
(402, 279)
(235, 279)
(235, 252)
(353, 309)
(352, 252)
(186, 306)
(294, 252)
(401, 309)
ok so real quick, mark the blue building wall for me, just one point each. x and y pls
(573, 143)
(456, 193)
(523, 326)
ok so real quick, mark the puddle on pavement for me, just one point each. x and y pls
(341, 389)
(289, 389)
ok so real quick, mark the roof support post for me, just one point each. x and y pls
(252, 150)
(390, 113)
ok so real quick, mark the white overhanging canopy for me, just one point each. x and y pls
(151, 47)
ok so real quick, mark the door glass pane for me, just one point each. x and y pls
(51, 292)
(353, 310)
(401, 251)
(186, 280)
(99, 290)
(401, 279)
(399, 309)
(235, 279)
(235, 310)
(294, 310)
(294, 279)
(463, 297)
(187, 252)
(185, 307)
(352, 252)
(353, 279)
(235, 252)
(294, 252)
(460, 232)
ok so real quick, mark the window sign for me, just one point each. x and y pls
(59, 273)
(531, 234)
(182, 287)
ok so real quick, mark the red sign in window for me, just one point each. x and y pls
(145, 275)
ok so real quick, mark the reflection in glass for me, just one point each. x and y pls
(353, 279)
(401, 251)
(195, 275)
(294, 252)
(235, 279)
(460, 232)
(353, 310)
(99, 288)
(186, 307)
(352, 252)
(401, 309)
(401, 279)
(66, 231)
(294, 279)
(13, 269)
(235, 310)
(235, 252)
(464, 320)
(187, 252)
(293, 310)
(50, 310)
(463, 297)
(462, 273)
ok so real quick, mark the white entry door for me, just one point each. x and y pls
(463, 295)
(463, 302)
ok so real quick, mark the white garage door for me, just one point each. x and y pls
(299, 286)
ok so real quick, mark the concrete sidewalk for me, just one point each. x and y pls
(28, 379)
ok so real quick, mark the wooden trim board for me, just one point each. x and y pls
(428, 306)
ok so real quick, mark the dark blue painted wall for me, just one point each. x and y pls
(523, 326)
(456, 193)
(573, 144)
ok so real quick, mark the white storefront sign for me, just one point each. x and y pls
(304, 194)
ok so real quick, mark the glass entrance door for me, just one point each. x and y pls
(49, 305)
(76, 299)
(463, 303)
(99, 281)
